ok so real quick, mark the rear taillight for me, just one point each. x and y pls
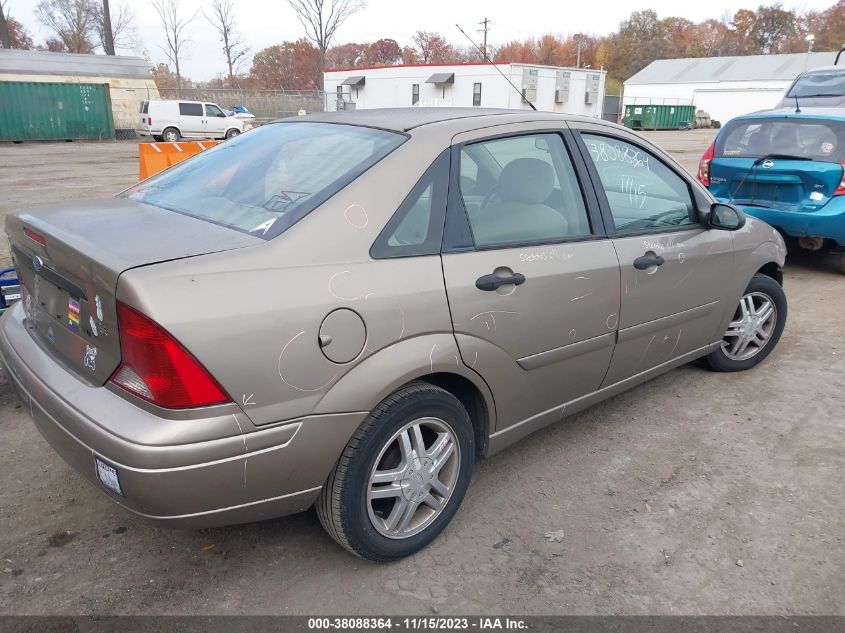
(155, 366)
(703, 174)
(840, 190)
(150, 121)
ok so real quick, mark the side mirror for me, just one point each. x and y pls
(725, 217)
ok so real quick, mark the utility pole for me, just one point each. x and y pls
(578, 46)
(4, 30)
(108, 38)
(485, 26)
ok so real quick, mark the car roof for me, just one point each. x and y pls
(822, 70)
(406, 119)
(834, 114)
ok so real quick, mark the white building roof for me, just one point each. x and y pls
(17, 62)
(742, 68)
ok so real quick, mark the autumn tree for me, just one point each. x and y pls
(321, 19)
(19, 37)
(828, 27)
(175, 23)
(221, 16)
(289, 65)
(349, 55)
(773, 27)
(383, 52)
(165, 79)
(432, 48)
(74, 23)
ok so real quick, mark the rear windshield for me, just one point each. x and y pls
(818, 140)
(144, 106)
(264, 181)
(821, 84)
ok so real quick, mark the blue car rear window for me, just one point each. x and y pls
(815, 139)
(264, 181)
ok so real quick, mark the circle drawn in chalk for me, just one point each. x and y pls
(612, 321)
(681, 258)
(356, 216)
(572, 333)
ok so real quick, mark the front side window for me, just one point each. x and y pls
(643, 193)
(212, 110)
(190, 109)
(525, 190)
(415, 94)
(476, 94)
(263, 182)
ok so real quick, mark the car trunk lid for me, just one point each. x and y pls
(790, 162)
(69, 259)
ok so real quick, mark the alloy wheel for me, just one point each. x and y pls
(754, 322)
(413, 478)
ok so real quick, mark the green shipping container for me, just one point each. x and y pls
(41, 111)
(658, 117)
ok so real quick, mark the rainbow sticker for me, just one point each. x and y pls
(73, 314)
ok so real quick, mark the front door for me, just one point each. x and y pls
(534, 288)
(675, 272)
(215, 121)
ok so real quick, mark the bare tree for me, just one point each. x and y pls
(74, 22)
(118, 31)
(5, 40)
(174, 24)
(321, 18)
(222, 17)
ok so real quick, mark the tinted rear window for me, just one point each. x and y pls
(190, 109)
(144, 106)
(821, 84)
(263, 182)
(815, 139)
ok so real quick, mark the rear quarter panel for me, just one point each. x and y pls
(253, 317)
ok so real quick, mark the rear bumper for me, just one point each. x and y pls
(167, 476)
(828, 222)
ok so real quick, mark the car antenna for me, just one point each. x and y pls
(797, 107)
(490, 61)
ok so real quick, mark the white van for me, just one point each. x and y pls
(173, 120)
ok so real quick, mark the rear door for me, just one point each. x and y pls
(674, 270)
(532, 283)
(790, 163)
(191, 119)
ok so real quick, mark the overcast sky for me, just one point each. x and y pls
(265, 23)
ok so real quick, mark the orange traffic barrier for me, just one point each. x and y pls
(156, 157)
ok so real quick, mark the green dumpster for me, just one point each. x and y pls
(658, 117)
(45, 111)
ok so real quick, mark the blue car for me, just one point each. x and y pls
(785, 167)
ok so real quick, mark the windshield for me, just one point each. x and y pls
(264, 181)
(812, 139)
(822, 84)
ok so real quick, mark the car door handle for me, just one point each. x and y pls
(648, 261)
(493, 281)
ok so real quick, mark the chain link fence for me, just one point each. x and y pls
(266, 105)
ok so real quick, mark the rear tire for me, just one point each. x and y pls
(402, 476)
(171, 135)
(157, 138)
(755, 328)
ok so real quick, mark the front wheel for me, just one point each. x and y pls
(755, 329)
(402, 476)
(232, 133)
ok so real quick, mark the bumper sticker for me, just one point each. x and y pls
(90, 360)
(73, 315)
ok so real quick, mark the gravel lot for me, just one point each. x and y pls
(697, 493)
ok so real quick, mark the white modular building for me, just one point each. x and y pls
(724, 87)
(549, 88)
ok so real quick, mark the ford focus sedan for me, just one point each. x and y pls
(346, 310)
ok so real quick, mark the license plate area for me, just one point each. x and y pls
(108, 476)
